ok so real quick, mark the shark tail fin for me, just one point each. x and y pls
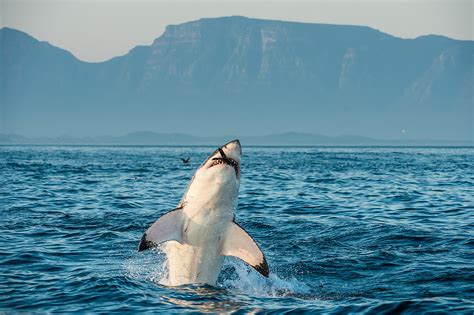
(238, 243)
(169, 227)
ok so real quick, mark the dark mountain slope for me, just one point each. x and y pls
(246, 76)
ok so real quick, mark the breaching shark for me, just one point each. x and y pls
(201, 230)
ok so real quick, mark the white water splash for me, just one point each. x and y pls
(150, 265)
(249, 282)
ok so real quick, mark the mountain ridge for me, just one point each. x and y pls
(254, 75)
(231, 16)
(280, 139)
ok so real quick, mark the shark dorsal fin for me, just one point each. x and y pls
(238, 243)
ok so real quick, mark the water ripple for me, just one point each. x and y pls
(345, 230)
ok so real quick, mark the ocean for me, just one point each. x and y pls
(344, 229)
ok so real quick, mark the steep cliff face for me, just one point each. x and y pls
(28, 64)
(256, 74)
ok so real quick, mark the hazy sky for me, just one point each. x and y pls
(99, 30)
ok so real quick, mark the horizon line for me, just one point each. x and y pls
(89, 140)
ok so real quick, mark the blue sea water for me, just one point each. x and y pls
(375, 230)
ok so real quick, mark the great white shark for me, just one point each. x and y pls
(201, 230)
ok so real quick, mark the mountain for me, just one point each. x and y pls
(236, 75)
(179, 139)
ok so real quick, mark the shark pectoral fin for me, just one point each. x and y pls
(167, 228)
(239, 244)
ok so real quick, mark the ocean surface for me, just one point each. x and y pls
(374, 230)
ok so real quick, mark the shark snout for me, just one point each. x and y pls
(233, 147)
(229, 154)
(231, 150)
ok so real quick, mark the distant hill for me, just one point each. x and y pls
(236, 75)
(282, 139)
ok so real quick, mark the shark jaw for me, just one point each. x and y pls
(216, 182)
(226, 161)
(203, 225)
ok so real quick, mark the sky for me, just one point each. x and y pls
(99, 30)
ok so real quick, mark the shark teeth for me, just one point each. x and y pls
(227, 161)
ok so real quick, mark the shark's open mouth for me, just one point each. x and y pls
(226, 160)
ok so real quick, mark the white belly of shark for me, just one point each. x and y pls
(202, 230)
